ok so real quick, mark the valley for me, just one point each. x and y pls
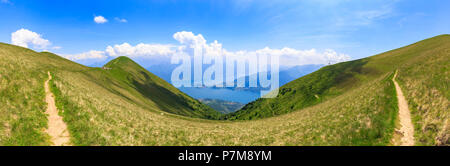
(350, 103)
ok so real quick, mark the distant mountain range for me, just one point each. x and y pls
(222, 106)
(286, 74)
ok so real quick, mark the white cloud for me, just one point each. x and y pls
(288, 56)
(293, 57)
(189, 39)
(93, 54)
(121, 19)
(162, 52)
(100, 19)
(25, 37)
(140, 50)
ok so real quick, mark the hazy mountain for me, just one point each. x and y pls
(286, 75)
(222, 105)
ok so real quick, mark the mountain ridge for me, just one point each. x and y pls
(327, 82)
(351, 103)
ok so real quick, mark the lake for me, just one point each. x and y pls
(241, 96)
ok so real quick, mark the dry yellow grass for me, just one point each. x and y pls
(123, 123)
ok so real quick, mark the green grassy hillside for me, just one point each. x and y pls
(351, 103)
(152, 88)
(424, 73)
(22, 94)
(326, 83)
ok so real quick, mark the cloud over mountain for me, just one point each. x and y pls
(26, 38)
(140, 50)
(188, 41)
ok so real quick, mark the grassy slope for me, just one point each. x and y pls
(164, 95)
(357, 109)
(22, 104)
(328, 82)
(425, 82)
(22, 95)
(423, 70)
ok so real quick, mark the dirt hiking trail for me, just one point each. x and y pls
(57, 129)
(407, 129)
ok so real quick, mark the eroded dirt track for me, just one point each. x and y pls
(57, 129)
(406, 126)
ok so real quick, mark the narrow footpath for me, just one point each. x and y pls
(406, 126)
(57, 129)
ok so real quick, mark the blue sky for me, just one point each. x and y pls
(352, 27)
